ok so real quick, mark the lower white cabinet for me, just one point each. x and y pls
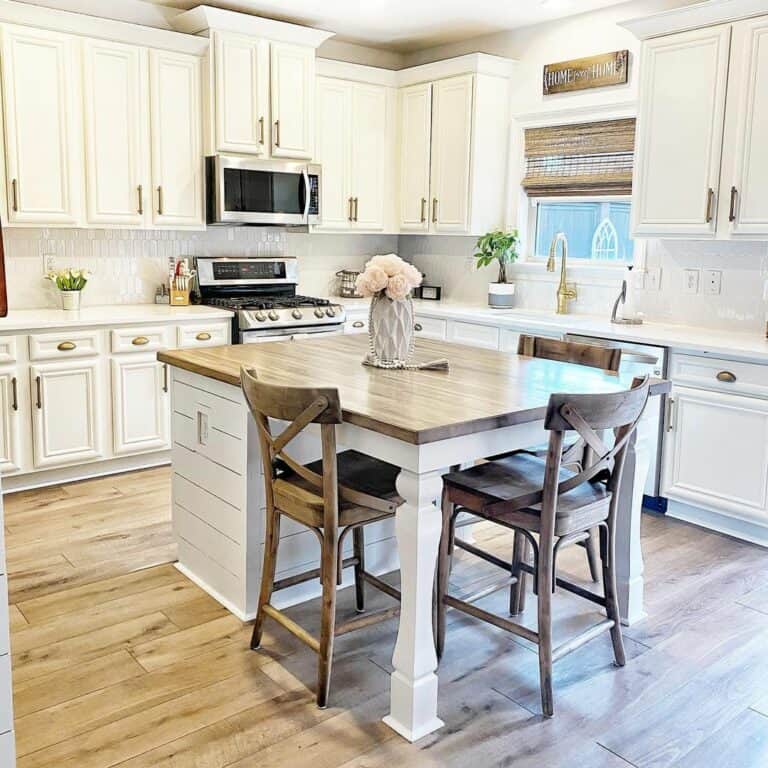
(431, 327)
(140, 410)
(66, 417)
(10, 421)
(716, 451)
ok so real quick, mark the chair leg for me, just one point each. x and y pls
(328, 619)
(358, 543)
(271, 540)
(544, 578)
(517, 590)
(593, 557)
(443, 572)
(608, 552)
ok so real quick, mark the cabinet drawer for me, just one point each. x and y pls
(7, 349)
(720, 375)
(203, 335)
(139, 339)
(63, 345)
(473, 334)
(356, 323)
(6, 714)
(431, 327)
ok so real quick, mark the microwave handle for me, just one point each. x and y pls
(305, 174)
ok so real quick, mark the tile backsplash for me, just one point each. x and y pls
(128, 265)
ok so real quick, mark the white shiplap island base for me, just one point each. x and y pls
(421, 421)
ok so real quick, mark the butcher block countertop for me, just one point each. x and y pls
(483, 389)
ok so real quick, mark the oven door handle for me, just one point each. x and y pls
(305, 174)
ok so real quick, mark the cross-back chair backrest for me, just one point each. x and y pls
(605, 358)
(300, 406)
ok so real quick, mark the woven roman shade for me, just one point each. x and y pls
(582, 159)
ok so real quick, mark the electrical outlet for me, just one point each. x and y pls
(49, 262)
(691, 281)
(653, 279)
(713, 280)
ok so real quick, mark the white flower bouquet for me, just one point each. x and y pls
(70, 283)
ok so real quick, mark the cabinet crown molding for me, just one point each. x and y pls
(200, 20)
(469, 63)
(704, 14)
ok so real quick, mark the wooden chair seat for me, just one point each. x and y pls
(363, 481)
(515, 479)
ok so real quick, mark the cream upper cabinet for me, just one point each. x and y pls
(451, 145)
(116, 122)
(241, 72)
(680, 133)
(369, 155)
(292, 80)
(175, 118)
(42, 126)
(415, 138)
(744, 195)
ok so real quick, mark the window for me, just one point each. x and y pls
(597, 230)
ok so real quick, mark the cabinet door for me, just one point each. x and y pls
(116, 132)
(140, 407)
(746, 185)
(177, 161)
(451, 155)
(369, 155)
(415, 133)
(293, 89)
(680, 133)
(716, 451)
(334, 126)
(66, 416)
(241, 69)
(10, 423)
(42, 126)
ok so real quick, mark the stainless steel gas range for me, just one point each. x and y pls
(262, 295)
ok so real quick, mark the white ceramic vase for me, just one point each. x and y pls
(70, 299)
(501, 295)
(391, 329)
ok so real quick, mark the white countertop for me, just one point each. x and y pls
(117, 314)
(707, 341)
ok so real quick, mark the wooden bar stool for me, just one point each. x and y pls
(605, 358)
(530, 495)
(333, 496)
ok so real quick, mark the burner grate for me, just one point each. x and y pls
(266, 302)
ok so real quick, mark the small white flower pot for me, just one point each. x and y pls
(501, 295)
(70, 300)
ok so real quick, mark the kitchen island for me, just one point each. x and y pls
(423, 421)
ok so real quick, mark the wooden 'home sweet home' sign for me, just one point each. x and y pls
(590, 72)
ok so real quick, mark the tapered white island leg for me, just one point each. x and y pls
(413, 702)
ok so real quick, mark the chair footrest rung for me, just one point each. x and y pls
(292, 627)
(579, 640)
(300, 578)
(473, 597)
(491, 618)
(482, 554)
(575, 589)
(382, 586)
(366, 620)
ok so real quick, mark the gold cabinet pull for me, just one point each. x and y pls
(160, 201)
(140, 193)
(349, 206)
(356, 201)
(418, 327)
(726, 376)
(14, 394)
(423, 216)
(277, 133)
(358, 324)
(39, 388)
(434, 210)
(165, 378)
(140, 341)
(203, 336)
(710, 204)
(261, 130)
(732, 209)
(15, 194)
(66, 346)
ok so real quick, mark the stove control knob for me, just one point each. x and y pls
(296, 314)
(260, 316)
(319, 312)
(330, 311)
(273, 315)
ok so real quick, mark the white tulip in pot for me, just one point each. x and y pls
(501, 247)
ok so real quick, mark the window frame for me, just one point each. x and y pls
(530, 229)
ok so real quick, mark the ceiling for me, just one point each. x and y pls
(406, 25)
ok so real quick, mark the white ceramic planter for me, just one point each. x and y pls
(501, 295)
(70, 299)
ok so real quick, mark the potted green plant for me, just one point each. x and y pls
(500, 247)
(70, 283)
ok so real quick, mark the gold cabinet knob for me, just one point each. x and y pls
(140, 341)
(203, 336)
(66, 346)
(726, 376)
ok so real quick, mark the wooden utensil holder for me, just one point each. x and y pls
(179, 298)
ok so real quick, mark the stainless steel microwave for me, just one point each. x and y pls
(251, 191)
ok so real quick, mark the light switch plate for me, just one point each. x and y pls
(713, 281)
(691, 281)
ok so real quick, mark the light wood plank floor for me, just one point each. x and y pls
(121, 661)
